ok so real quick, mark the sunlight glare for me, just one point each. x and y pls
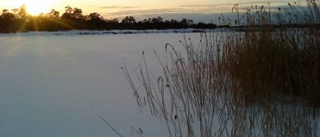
(35, 7)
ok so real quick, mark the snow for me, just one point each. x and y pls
(106, 32)
(52, 85)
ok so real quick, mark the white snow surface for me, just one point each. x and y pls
(52, 84)
(108, 32)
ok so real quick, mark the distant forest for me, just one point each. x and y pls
(18, 20)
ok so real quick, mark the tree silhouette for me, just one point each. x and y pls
(73, 18)
(6, 21)
(95, 21)
(128, 20)
(54, 14)
(22, 12)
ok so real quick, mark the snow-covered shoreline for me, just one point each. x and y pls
(105, 32)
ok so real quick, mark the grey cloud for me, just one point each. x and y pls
(240, 3)
(205, 9)
(113, 7)
(117, 7)
(146, 11)
(198, 13)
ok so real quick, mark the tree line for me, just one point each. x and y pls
(18, 20)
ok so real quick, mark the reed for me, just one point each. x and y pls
(258, 79)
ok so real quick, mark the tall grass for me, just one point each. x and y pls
(261, 79)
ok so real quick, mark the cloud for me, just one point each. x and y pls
(168, 10)
(202, 9)
(116, 7)
(240, 4)
(197, 12)
(148, 11)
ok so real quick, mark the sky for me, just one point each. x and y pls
(198, 10)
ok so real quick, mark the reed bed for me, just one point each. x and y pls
(259, 79)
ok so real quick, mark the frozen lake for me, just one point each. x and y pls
(52, 85)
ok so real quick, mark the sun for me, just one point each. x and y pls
(35, 7)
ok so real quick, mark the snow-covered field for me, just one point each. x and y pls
(53, 83)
